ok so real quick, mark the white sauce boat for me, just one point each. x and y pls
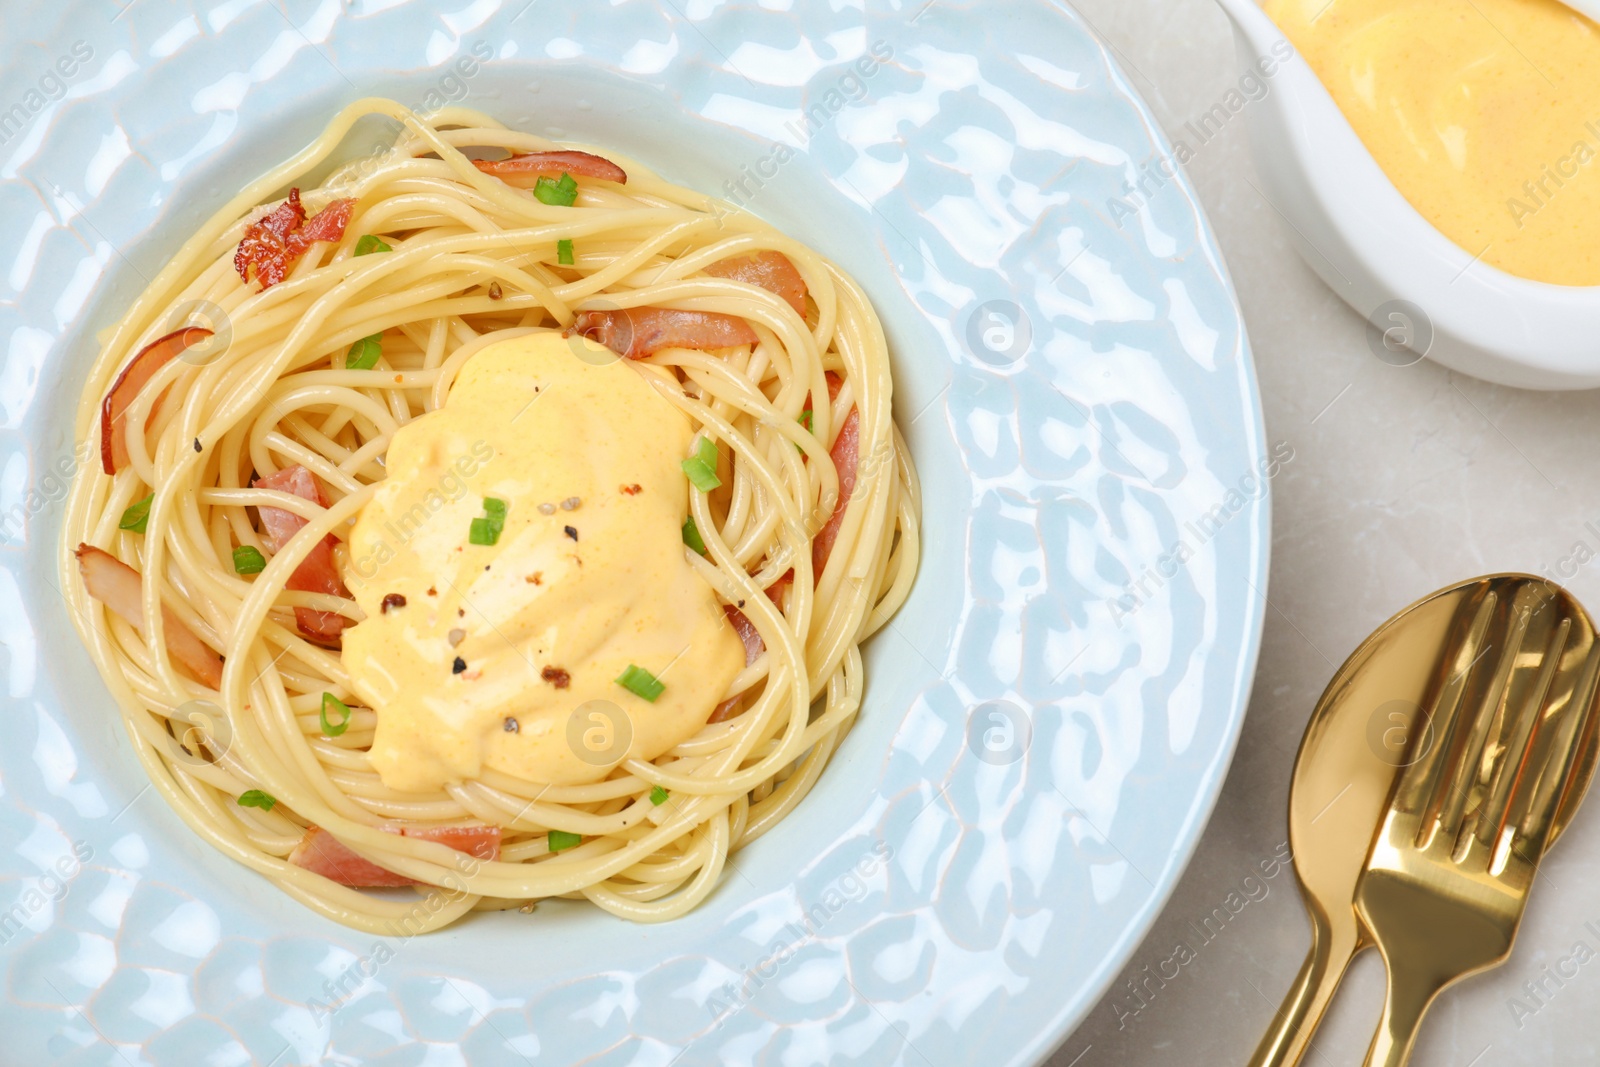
(1414, 286)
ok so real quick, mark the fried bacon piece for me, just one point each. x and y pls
(753, 645)
(724, 711)
(767, 270)
(274, 243)
(317, 572)
(120, 588)
(751, 638)
(524, 170)
(140, 369)
(639, 332)
(321, 853)
(846, 453)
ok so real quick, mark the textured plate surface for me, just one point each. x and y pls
(1047, 721)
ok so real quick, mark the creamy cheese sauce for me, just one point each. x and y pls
(1484, 113)
(547, 618)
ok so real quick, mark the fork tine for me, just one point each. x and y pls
(1514, 761)
(1537, 817)
(1421, 775)
(1454, 790)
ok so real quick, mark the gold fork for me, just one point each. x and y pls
(1449, 872)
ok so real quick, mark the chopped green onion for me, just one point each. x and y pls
(339, 707)
(704, 478)
(558, 192)
(804, 420)
(701, 468)
(137, 516)
(564, 254)
(363, 355)
(255, 798)
(247, 559)
(371, 243)
(561, 839)
(486, 531)
(691, 536)
(658, 796)
(641, 683)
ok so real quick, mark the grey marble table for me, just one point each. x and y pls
(1404, 479)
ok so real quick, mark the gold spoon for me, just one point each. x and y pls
(1358, 740)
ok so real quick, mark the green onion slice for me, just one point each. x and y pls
(486, 531)
(137, 516)
(701, 468)
(691, 536)
(658, 796)
(703, 477)
(339, 708)
(564, 254)
(640, 683)
(247, 559)
(706, 452)
(371, 243)
(255, 798)
(363, 355)
(559, 192)
(561, 839)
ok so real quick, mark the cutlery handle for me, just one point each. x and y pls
(1407, 998)
(1285, 1042)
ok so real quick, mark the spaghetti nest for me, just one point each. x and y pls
(243, 368)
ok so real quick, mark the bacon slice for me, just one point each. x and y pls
(120, 588)
(274, 243)
(724, 711)
(321, 853)
(480, 841)
(278, 525)
(134, 377)
(767, 270)
(316, 573)
(845, 453)
(753, 645)
(639, 332)
(329, 223)
(524, 171)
